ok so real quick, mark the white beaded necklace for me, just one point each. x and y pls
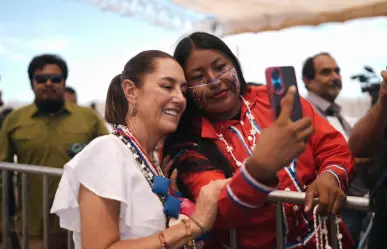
(322, 227)
(254, 130)
(320, 223)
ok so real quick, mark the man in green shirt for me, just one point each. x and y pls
(48, 132)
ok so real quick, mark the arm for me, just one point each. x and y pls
(330, 150)
(6, 151)
(367, 138)
(369, 134)
(334, 164)
(238, 200)
(100, 229)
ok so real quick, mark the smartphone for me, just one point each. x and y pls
(278, 80)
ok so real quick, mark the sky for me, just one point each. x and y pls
(96, 45)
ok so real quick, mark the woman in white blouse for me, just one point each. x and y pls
(111, 194)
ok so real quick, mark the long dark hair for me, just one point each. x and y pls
(186, 132)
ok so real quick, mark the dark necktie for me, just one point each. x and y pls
(347, 127)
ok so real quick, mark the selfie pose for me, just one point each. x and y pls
(112, 195)
(229, 130)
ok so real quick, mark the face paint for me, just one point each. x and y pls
(198, 90)
(233, 80)
(230, 76)
(197, 96)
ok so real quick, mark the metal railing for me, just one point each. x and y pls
(25, 169)
(278, 197)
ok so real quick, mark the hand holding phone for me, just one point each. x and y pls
(279, 143)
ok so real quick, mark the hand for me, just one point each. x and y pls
(167, 165)
(207, 203)
(279, 144)
(331, 196)
(383, 88)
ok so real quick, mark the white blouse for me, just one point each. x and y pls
(107, 168)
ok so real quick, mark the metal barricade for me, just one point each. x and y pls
(25, 170)
(278, 197)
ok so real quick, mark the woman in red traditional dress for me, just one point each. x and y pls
(227, 131)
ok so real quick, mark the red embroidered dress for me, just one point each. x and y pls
(241, 202)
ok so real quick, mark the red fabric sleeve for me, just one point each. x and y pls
(238, 200)
(330, 149)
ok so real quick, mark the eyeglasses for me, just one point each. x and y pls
(43, 78)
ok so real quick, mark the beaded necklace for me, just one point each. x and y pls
(320, 226)
(320, 223)
(155, 178)
(147, 166)
(253, 131)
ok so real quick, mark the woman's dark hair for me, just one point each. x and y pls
(186, 131)
(116, 107)
(201, 40)
(116, 103)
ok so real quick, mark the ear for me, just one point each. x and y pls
(130, 91)
(306, 82)
(33, 87)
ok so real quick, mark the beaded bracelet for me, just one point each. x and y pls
(191, 242)
(198, 224)
(164, 244)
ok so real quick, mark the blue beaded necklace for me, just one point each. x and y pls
(152, 173)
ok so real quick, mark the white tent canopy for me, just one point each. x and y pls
(240, 16)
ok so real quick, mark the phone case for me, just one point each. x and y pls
(278, 80)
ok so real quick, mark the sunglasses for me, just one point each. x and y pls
(54, 78)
